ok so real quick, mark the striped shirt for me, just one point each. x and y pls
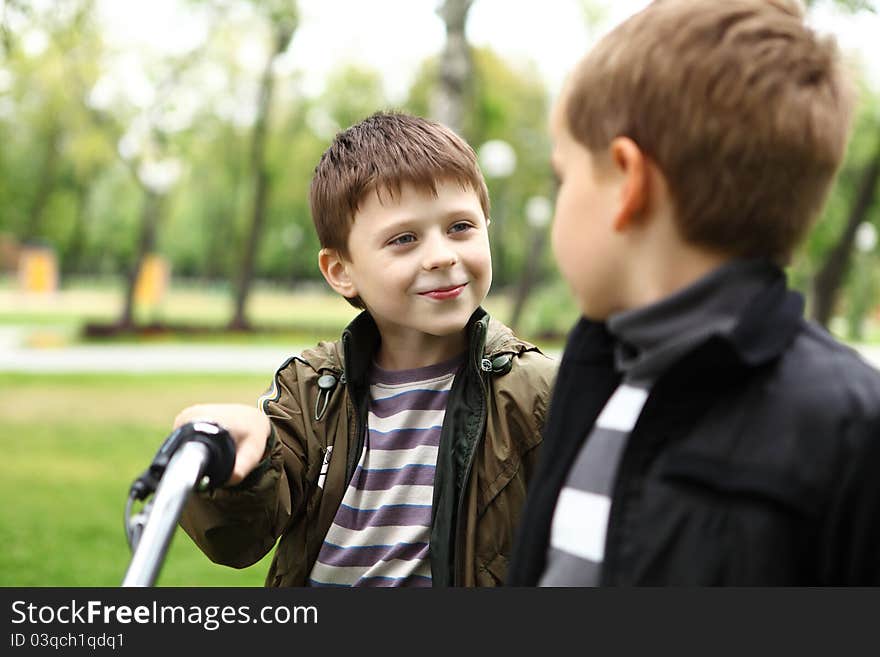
(380, 535)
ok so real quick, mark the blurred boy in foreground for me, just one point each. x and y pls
(701, 431)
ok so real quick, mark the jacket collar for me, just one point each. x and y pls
(769, 322)
(765, 327)
(487, 338)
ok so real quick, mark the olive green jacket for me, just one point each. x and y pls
(318, 409)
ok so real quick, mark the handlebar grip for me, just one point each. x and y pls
(221, 447)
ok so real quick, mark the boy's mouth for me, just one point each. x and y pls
(441, 293)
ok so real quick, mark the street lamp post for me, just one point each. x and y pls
(862, 291)
(539, 210)
(498, 160)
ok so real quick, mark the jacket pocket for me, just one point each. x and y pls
(703, 521)
(493, 572)
(761, 484)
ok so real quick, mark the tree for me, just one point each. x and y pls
(456, 67)
(283, 19)
(538, 211)
(830, 276)
(40, 63)
(832, 271)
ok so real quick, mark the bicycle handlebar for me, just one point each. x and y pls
(196, 454)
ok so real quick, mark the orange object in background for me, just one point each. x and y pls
(38, 270)
(152, 280)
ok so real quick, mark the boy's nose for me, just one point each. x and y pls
(439, 255)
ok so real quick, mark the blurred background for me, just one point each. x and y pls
(156, 247)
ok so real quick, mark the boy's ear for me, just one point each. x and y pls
(335, 271)
(632, 165)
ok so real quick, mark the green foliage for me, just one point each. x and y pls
(827, 230)
(44, 125)
(847, 5)
(552, 313)
(351, 94)
(93, 204)
(95, 201)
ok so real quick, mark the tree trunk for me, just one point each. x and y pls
(218, 236)
(71, 262)
(34, 227)
(528, 278)
(150, 216)
(448, 101)
(219, 227)
(498, 243)
(283, 34)
(827, 282)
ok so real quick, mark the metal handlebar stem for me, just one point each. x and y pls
(179, 480)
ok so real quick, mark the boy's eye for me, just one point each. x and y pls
(403, 239)
(460, 227)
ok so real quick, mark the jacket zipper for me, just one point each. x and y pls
(359, 428)
(456, 567)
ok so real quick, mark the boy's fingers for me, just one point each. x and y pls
(247, 426)
(247, 457)
(190, 413)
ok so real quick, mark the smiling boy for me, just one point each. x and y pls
(398, 455)
(424, 263)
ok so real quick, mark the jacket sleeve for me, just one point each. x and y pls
(853, 520)
(238, 525)
(542, 376)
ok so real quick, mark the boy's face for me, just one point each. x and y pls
(587, 249)
(420, 263)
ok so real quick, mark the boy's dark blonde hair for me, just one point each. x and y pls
(744, 109)
(379, 154)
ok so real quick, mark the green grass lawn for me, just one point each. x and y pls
(71, 447)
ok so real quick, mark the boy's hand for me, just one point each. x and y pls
(248, 427)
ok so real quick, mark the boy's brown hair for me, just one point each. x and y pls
(379, 154)
(744, 109)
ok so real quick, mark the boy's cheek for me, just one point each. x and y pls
(556, 239)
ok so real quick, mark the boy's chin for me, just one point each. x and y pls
(595, 316)
(595, 312)
(450, 325)
(444, 329)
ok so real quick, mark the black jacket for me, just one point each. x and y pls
(755, 461)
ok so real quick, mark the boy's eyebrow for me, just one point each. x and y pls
(406, 222)
(463, 211)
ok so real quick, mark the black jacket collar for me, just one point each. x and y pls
(766, 327)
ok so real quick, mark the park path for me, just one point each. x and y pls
(15, 356)
(195, 358)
